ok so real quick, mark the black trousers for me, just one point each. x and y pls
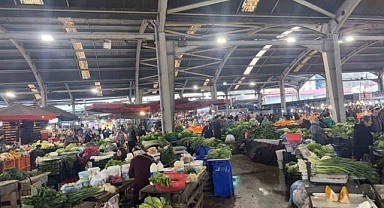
(131, 145)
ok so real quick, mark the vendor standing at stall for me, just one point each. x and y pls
(69, 138)
(34, 154)
(131, 138)
(139, 170)
(216, 125)
(362, 137)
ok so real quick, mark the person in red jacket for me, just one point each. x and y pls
(139, 170)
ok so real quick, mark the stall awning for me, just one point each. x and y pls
(61, 114)
(21, 112)
(180, 104)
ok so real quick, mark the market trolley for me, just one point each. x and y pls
(192, 194)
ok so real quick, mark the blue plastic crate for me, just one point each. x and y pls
(203, 151)
(223, 181)
(172, 139)
(343, 151)
(221, 162)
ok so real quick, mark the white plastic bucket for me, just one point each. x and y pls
(280, 162)
(279, 154)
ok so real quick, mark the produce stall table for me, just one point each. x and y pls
(10, 187)
(192, 194)
(105, 196)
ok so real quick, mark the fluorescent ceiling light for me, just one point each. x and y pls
(224, 83)
(249, 5)
(94, 90)
(248, 70)
(340, 41)
(253, 84)
(195, 87)
(206, 82)
(37, 2)
(295, 28)
(10, 95)
(291, 40)
(142, 113)
(47, 37)
(221, 40)
(349, 38)
(287, 32)
(237, 87)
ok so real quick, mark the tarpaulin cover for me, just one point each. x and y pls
(180, 104)
(263, 153)
(61, 114)
(20, 112)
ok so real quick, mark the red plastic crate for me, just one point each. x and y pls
(26, 168)
(18, 163)
(7, 164)
(27, 160)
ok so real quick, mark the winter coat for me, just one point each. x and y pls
(329, 122)
(377, 124)
(318, 133)
(265, 122)
(207, 131)
(362, 139)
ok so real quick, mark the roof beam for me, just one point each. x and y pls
(70, 93)
(78, 35)
(316, 8)
(222, 64)
(342, 14)
(184, 86)
(253, 43)
(6, 100)
(194, 6)
(356, 51)
(295, 61)
(143, 26)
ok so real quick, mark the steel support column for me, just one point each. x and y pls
(298, 94)
(333, 72)
(282, 96)
(380, 82)
(166, 79)
(227, 105)
(260, 100)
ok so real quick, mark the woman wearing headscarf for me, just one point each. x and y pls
(121, 154)
(317, 132)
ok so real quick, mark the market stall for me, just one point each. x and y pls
(20, 113)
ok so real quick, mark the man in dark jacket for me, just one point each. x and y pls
(207, 131)
(131, 138)
(362, 137)
(216, 126)
(377, 124)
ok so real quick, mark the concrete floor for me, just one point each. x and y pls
(256, 185)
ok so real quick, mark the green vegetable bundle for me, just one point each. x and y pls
(154, 202)
(151, 136)
(16, 174)
(346, 166)
(114, 163)
(187, 133)
(219, 153)
(379, 144)
(167, 156)
(265, 132)
(45, 198)
(239, 129)
(161, 179)
(212, 142)
(86, 192)
(292, 167)
(342, 130)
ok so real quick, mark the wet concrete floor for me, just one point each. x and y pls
(256, 186)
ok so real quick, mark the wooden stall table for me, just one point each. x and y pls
(105, 196)
(191, 196)
(10, 187)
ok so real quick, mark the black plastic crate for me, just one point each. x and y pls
(290, 178)
(342, 142)
(287, 156)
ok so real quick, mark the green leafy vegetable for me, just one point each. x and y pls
(114, 163)
(167, 156)
(161, 179)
